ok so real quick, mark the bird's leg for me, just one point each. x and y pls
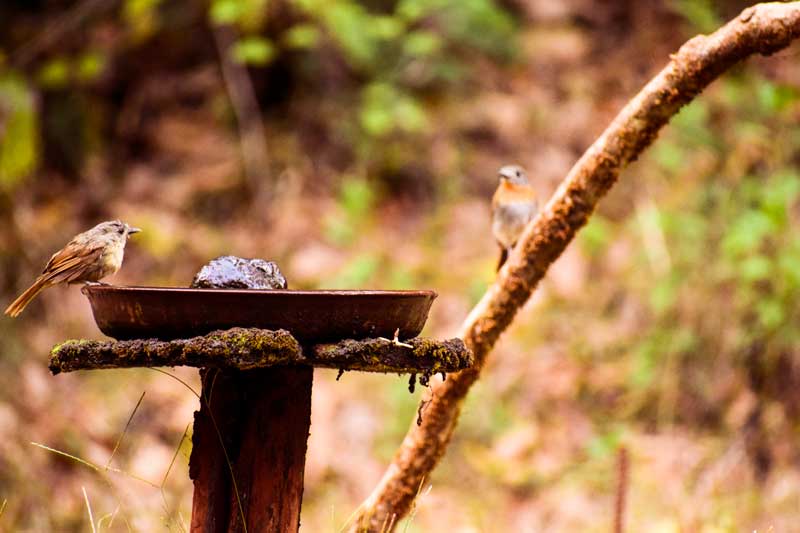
(503, 256)
(97, 284)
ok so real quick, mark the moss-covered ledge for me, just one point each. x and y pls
(248, 348)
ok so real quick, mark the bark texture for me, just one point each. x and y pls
(761, 29)
(255, 483)
(250, 348)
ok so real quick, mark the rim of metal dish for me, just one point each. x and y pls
(316, 292)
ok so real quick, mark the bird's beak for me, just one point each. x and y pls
(131, 231)
(502, 176)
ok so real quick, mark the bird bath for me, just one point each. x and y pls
(256, 350)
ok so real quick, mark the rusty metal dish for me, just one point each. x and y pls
(170, 313)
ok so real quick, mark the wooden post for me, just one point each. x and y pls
(250, 434)
(263, 418)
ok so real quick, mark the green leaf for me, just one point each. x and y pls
(669, 155)
(350, 25)
(386, 27)
(692, 123)
(357, 272)
(747, 233)
(256, 51)
(789, 267)
(596, 235)
(55, 73)
(384, 108)
(356, 198)
(481, 24)
(422, 43)
(410, 115)
(90, 66)
(770, 313)
(301, 36)
(141, 17)
(602, 446)
(700, 13)
(755, 268)
(225, 11)
(775, 98)
(412, 10)
(778, 195)
(19, 141)
(355, 201)
(376, 121)
(663, 295)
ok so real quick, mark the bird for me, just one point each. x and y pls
(514, 204)
(87, 258)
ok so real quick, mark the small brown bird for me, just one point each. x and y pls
(89, 257)
(514, 204)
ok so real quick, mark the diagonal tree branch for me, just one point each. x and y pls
(761, 29)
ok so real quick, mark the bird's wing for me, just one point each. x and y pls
(62, 266)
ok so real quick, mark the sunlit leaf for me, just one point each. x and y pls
(256, 51)
(55, 73)
(595, 236)
(19, 135)
(747, 233)
(90, 66)
(774, 98)
(422, 43)
(770, 313)
(302, 36)
(142, 17)
(225, 11)
(385, 27)
(700, 13)
(755, 268)
(357, 272)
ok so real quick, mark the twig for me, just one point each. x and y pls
(252, 137)
(52, 33)
(124, 431)
(622, 490)
(396, 340)
(762, 29)
(89, 509)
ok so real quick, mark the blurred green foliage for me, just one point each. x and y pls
(746, 222)
(19, 130)
(700, 14)
(355, 202)
(398, 52)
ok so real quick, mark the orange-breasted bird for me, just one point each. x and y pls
(89, 257)
(514, 204)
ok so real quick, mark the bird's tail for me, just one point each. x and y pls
(18, 305)
(503, 257)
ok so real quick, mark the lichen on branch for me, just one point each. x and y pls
(248, 348)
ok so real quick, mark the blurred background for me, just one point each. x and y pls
(357, 144)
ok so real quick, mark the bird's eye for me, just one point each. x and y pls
(518, 173)
(121, 230)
